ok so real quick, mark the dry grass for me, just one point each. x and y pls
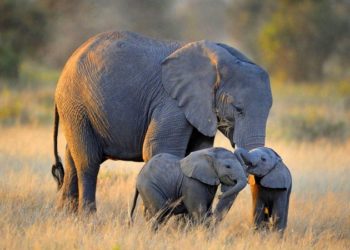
(319, 210)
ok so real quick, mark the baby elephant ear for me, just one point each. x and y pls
(279, 177)
(279, 158)
(199, 165)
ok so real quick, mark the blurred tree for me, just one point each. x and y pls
(151, 17)
(299, 40)
(201, 19)
(22, 32)
(294, 38)
(75, 21)
(301, 36)
(247, 17)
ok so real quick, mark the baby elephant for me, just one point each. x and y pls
(170, 185)
(273, 184)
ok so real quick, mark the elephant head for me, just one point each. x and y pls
(265, 163)
(219, 88)
(214, 166)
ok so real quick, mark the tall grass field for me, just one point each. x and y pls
(319, 209)
(308, 127)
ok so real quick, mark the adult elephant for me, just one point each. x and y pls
(124, 96)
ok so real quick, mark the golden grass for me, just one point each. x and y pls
(319, 210)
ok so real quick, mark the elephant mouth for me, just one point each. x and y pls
(229, 188)
(255, 172)
(250, 165)
(251, 169)
(229, 180)
(232, 180)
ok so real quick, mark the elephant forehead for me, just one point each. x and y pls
(223, 153)
(258, 150)
(256, 154)
(232, 161)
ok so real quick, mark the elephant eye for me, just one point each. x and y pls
(227, 166)
(263, 159)
(238, 109)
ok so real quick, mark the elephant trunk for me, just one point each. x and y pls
(243, 156)
(235, 189)
(251, 132)
(250, 143)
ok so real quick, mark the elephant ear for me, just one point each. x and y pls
(234, 52)
(199, 165)
(189, 75)
(279, 158)
(278, 177)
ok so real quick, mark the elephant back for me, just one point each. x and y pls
(162, 161)
(103, 78)
(116, 55)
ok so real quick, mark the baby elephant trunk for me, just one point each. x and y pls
(235, 189)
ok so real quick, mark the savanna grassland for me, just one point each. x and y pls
(308, 126)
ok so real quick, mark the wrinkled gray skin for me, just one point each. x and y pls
(272, 188)
(124, 96)
(171, 185)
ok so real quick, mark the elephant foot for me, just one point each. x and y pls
(155, 227)
(261, 228)
(87, 208)
(69, 205)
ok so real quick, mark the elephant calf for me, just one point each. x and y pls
(273, 184)
(169, 185)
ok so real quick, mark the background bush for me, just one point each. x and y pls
(296, 40)
(310, 127)
(22, 32)
(308, 112)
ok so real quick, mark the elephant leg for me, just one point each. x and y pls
(257, 206)
(200, 215)
(198, 141)
(87, 188)
(162, 216)
(155, 205)
(285, 221)
(146, 214)
(259, 215)
(199, 210)
(223, 207)
(280, 213)
(170, 135)
(69, 195)
(87, 156)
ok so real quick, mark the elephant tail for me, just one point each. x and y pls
(131, 220)
(57, 168)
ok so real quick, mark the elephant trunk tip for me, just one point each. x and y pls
(58, 173)
(235, 189)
